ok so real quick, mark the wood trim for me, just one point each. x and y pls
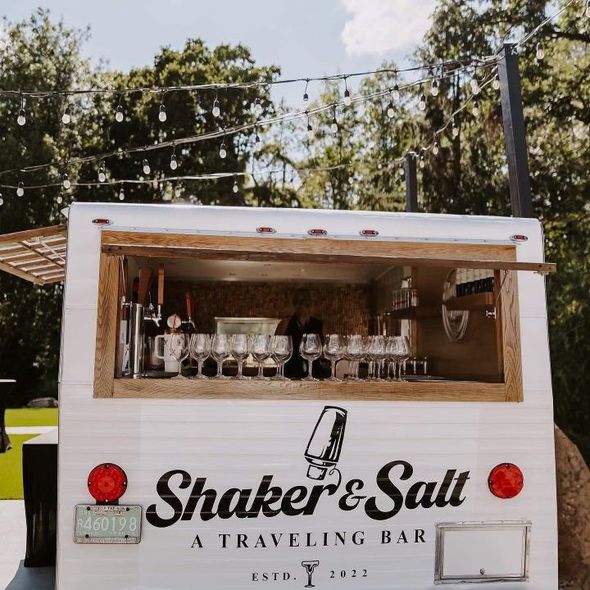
(13, 270)
(444, 391)
(28, 234)
(510, 326)
(106, 325)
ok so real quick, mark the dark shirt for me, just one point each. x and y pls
(296, 367)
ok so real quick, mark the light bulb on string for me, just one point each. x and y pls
(390, 110)
(475, 109)
(65, 181)
(119, 112)
(421, 162)
(257, 108)
(145, 166)
(539, 52)
(474, 83)
(66, 118)
(434, 89)
(235, 188)
(59, 199)
(395, 92)
(20, 189)
(309, 127)
(305, 95)
(121, 194)
(216, 111)
(173, 160)
(422, 102)
(334, 124)
(102, 176)
(21, 119)
(436, 148)
(222, 150)
(162, 114)
(454, 129)
(496, 82)
(347, 97)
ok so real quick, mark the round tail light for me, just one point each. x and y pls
(107, 482)
(506, 480)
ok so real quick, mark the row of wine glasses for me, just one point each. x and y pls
(385, 355)
(220, 347)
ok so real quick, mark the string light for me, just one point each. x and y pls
(347, 98)
(102, 176)
(173, 160)
(421, 162)
(59, 199)
(390, 110)
(422, 102)
(434, 89)
(475, 109)
(309, 127)
(454, 129)
(20, 189)
(66, 118)
(222, 150)
(119, 112)
(21, 119)
(496, 82)
(395, 93)
(162, 114)
(305, 95)
(145, 166)
(216, 111)
(121, 194)
(65, 181)
(334, 124)
(474, 83)
(436, 148)
(257, 108)
(235, 188)
(539, 52)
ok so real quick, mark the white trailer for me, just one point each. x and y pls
(444, 478)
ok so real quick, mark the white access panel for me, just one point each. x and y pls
(482, 552)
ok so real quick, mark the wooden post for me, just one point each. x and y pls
(411, 182)
(514, 133)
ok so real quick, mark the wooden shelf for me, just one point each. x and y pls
(483, 301)
(416, 313)
(231, 389)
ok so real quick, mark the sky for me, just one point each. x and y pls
(305, 38)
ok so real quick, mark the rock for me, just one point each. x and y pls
(573, 514)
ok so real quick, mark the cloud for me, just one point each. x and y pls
(378, 27)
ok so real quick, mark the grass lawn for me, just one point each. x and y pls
(32, 417)
(11, 463)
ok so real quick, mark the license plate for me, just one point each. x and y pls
(107, 524)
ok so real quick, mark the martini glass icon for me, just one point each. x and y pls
(309, 568)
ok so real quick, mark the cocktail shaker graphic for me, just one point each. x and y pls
(325, 444)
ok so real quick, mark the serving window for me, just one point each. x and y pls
(455, 305)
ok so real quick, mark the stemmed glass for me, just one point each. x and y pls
(368, 356)
(333, 351)
(404, 355)
(240, 349)
(260, 351)
(355, 352)
(378, 354)
(281, 349)
(310, 349)
(200, 349)
(391, 348)
(220, 350)
(178, 349)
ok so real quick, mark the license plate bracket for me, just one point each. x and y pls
(107, 524)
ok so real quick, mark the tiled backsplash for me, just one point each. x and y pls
(345, 309)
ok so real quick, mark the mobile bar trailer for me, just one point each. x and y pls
(442, 473)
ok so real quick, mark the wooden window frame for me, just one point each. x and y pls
(501, 258)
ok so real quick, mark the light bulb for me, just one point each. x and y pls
(434, 88)
(474, 86)
(121, 195)
(20, 190)
(390, 110)
(347, 98)
(102, 172)
(65, 181)
(540, 52)
(305, 95)
(422, 103)
(435, 148)
(216, 111)
(22, 117)
(257, 109)
(162, 115)
(173, 162)
(1, 200)
(334, 125)
(395, 92)
(351, 180)
(496, 82)
(66, 118)
(235, 188)
(421, 162)
(475, 109)
(145, 166)
(222, 151)
(309, 127)
(454, 130)
(59, 199)
(119, 114)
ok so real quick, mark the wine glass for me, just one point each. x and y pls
(200, 350)
(178, 350)
(310, 349)
(404, 355)
(333, 351)
(260, 351)
(220, 350)
(240, 349)
(392, 350)
(378, 354)
(367, 355)
(281, 349)
(355, 352)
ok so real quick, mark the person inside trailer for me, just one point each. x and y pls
(301, 322)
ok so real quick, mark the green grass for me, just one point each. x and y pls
(32, 417)
(11, 464)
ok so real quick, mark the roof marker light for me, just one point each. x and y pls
(506, 480)
(369, 233)
(317, 232)
(266, 230)
(107, 482)
(519, 238)
(101, 221)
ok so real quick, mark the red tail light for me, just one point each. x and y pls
(265, 230)
(107, 482)
(369, 232)
(317, 232)
(506, 480)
